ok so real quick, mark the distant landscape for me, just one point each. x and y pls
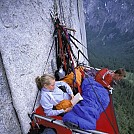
(110, 33)
(110, 41)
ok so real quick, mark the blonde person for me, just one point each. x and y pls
(52, 95)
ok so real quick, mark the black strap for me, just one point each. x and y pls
(79, 50)
(43, 73)
(76, 40)
(35, 100)
(48, 55)
(63, 88)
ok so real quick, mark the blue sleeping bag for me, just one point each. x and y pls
(85, 113)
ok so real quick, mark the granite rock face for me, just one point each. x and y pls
(26, 35)
(110, 32)
(8, 118)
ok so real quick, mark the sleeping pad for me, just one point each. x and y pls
(95, 100)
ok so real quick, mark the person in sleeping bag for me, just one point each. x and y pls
(85, 114)
(53, 100)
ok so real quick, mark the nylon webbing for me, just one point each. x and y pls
(43, 73)
(76, 40)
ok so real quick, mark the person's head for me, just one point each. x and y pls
(46, 80)
(119, 74)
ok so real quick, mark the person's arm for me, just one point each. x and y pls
(105, 84)
(107, 81)
(104, 76)
(47, 104)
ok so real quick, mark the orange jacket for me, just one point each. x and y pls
(69, 79)
(64, 104)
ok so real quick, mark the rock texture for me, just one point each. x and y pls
(26, 35)
(8, 118)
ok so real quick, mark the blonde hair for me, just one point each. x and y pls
(44, 79)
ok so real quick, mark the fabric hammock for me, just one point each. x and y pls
(109, 124)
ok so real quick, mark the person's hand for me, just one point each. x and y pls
(111, 90)
(68, 109)
(72, 96)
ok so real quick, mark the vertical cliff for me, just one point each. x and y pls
(26, 35)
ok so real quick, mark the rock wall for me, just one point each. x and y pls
(26, 35)
(8, 118)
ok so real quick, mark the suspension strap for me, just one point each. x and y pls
(43, 73)
(76, 40)
(79, 50)
(48, 56)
